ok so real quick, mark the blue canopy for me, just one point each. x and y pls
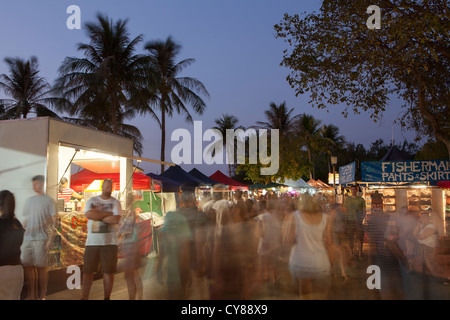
(188, 182)
(204, 178)
(169, 185)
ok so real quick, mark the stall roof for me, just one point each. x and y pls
(318, 184)
(297, 184)
(204, 178)
(234, 185)
(168, 185)
(394, 154)
(85, 177)
(257, 186)
(178, 174)
(98, 165)
(139, 159)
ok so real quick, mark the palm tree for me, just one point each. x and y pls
(29, 92)
(96, 115)
(226, 122)
(109, 80)
(279, 117)
(172, 92)
(308, 130)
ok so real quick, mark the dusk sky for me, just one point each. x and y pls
(234, 45)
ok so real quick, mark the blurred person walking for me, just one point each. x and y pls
(229, 257)
(11, 239)
(39, 223)
(382, 255)
(189, 210)
(101, 252)
(338, 248)
(355, 207)
(310, 234)
(400, 240)
(175, 238)
(129, 240)
(268, 232)
(426, 234)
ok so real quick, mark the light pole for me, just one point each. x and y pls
(333, 163)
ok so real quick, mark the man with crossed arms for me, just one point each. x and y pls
(103, 213)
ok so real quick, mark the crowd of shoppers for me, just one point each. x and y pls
(240, 245)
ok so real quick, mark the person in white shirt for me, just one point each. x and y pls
(103, 213)
(39, 222)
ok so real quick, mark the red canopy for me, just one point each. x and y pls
(82, 179)
(234, 185)
(443, 184)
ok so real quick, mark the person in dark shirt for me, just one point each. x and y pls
(11, 238)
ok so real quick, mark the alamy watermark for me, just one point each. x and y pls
(74, 280)
(374, 21)
(234, 143)
(74, 20)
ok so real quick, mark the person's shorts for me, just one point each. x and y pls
(34, 253)
(100, 258)
(11, 282)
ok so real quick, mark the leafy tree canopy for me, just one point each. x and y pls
(335, 58)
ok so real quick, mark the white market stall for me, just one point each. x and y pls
(410, 184)
(53, 148)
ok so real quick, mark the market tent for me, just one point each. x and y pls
(443, 184)
(233, 184)
(298, 184)
(320, 185)
(257, 186)
(274, 185)
(82, 179)
(266, 186)
(168, 185)
(394, 154)
(188, 182)
(324, 185)
(204, 178)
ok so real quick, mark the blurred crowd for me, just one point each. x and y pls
(241, 247)
(244, 245)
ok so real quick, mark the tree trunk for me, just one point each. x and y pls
(309, 159)
(114, 113)
(163, 136)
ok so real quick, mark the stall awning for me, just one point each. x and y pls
(82, 179)
(188, 182)
(139, 159)
(297, 184)
(204, 178)
(318, 184)
(234, 185)
(443, 184)
(168, 185)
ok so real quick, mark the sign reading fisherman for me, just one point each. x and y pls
(405, 171)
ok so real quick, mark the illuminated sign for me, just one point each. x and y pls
(405, 171)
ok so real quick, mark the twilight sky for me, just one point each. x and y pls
(234, 45)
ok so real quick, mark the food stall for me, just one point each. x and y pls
(410, 184)
(54, 148)
(324, 190)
